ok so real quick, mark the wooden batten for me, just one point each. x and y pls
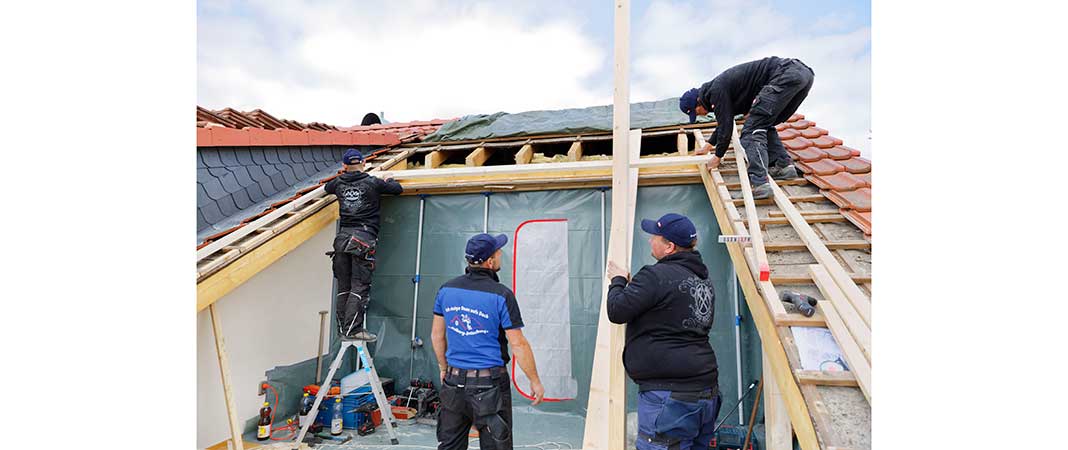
(575, 152)
(525, 154)
(478, 157)
(681, 142)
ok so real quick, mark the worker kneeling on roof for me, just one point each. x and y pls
(475, 319)
(770, 90)
(668, 310)
(354, 246)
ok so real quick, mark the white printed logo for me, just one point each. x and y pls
(351, 198)
(703, 296)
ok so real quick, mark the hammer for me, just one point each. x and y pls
(804, 303)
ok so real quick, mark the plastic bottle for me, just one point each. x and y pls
(305, 409)
(263, 431)
(335, 421)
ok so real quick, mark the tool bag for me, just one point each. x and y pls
(362, 244)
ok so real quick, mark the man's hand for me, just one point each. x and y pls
(539, 392)
(713, 163)
(442, 376)
(615, 271)
(704, 149)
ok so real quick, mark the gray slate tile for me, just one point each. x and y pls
(287, 174)
(211, 157)
(255, 193)
(257, 155)
(211, 213)
(243, 177)
(271, 155)
(244, 156)
(227, 206)
(257, 173)
(242, 200)
(229, 156)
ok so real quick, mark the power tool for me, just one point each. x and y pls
(804, 303)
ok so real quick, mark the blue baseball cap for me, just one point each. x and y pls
(688, 104)
(352, 156)
(676, 228)
(482, 246)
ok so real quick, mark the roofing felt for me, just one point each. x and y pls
(594, 119)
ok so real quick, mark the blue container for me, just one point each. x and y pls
(350, 402)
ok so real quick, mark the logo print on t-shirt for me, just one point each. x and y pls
(466, 323)
(703, 299)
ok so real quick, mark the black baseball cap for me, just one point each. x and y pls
(482, 246)
(676, 228)
(352, 156)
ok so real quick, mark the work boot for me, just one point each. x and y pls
(783, 173)
(360, 334)
(759, 192)
(762, 191)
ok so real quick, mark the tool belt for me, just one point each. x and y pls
(475, 373)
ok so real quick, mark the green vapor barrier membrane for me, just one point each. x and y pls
(451, 219)
(563, 121)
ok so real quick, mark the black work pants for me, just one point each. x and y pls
(775, 103)
(485, 402)
(353, 272)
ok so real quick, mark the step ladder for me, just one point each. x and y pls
(368, 365)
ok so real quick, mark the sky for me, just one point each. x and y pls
(333, 61)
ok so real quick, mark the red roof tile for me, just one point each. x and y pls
(826, 141)
(861, 219)
(802, 124)
(788, 133)
(841, 181)
(856, 165)
(810, 154)
(797, 143)
(839, 152)
(859, 199)
(813, 132)
(824, 166)
(230, 127)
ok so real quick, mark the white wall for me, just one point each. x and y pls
(270, 320)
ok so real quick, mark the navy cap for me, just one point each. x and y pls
(688, 104)
(676, 228)
(482, 246)
(352, 156)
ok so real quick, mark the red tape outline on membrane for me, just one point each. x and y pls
(515, 255)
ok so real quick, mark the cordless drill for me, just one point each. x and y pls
(804, 303)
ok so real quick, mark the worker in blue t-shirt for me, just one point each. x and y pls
(476, 318)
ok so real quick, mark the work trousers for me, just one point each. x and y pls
(776, 102)
(676, 420)
(485, 402)
(353, 268)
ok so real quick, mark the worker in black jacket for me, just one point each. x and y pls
(668, 310)
(769, 90)
(354, 246)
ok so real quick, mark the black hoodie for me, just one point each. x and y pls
(357, 196)
(668, 309)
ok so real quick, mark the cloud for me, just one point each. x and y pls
(682, 45)
(334, 62)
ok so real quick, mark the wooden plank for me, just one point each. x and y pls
(804, 278)
(236, 273)
(433, 159)
(771, 344)
(778, 433)
(799, 320)
(860, 331)
(810, 219)
(575, 152)
(860, 301)
(795, 199)
(818, 212)
(822, 378)
(793, 182)
(834, 245)
(858, 364)
(478, 157)
(397, 162)
(525, 154)
(682, 163)
(605, 426)
(681, 142)
(224, 372)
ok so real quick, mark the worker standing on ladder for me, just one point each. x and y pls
(354, 246)
(668, 309)
(476, 318)
(770, 90)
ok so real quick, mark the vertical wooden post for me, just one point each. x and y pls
(681, 141)
(224, 370)
(777, 430)
(606, 414)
